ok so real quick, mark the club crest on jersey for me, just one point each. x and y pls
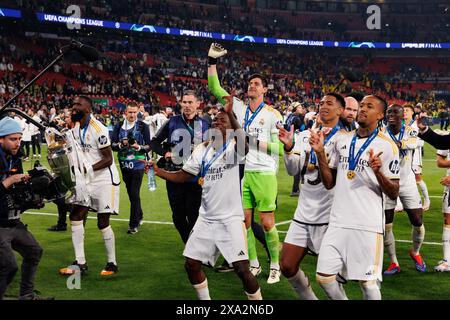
(102, 140)
(261, 122)
(394, 166)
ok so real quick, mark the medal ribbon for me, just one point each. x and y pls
(83, 137)
(247, 121)
(400, 137)
(205, 166)
(313, 158)
(352, 159)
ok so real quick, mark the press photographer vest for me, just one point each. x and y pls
(129, 158)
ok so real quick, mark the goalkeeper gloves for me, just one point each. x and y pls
(215, 51)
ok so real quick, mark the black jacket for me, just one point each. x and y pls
(436, 140)
(9, 165)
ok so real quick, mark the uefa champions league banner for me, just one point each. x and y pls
(10, 13)
(232, 37)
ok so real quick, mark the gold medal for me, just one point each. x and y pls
(201, 181)
(350, 174)
(311, 167)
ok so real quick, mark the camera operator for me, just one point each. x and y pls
(132, 140)
(184, 198)
(13, 233)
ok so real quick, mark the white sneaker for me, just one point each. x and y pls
(255, 270)
(426, 205)
(442, 266)
(274, 276)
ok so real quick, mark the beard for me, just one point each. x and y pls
(76, 117)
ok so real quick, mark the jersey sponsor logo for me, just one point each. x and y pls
(394, 166)
(102, 140)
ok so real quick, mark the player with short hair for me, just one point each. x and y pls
(102, 185)
(260, 122)
(219, 227)
(443, 161)
(314, 203)
(417, 156)
(363, 165)
(406, 140)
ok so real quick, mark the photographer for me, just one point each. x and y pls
(184, 198)
(132, 139)
(13, 233)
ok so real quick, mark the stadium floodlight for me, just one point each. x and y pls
(86, 52)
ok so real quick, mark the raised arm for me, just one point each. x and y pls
(215, 51)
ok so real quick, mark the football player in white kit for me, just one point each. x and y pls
(406, 140)
(443, 161)
(363, 165)
(314, 203)
(102, 184)
(408, 111)
(220, 226)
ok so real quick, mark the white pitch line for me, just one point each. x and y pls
(90, 217)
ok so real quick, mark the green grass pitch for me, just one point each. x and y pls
(151, 265)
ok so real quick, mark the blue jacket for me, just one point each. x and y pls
(167, 137)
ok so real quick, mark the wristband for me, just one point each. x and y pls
(212, 61)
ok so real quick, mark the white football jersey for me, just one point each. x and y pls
(92, 139)
(262, 126)
(409, 145)
(221, 195)
(417, 152)
(314, 201)
(358, 202)
(446, 155)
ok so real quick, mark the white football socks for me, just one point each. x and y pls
(333, 289)
(301, 285)
(418, 234)
(254, 296)
(202, 290)
(446, 242)
(78, 241)
(370, 290)
(389, 242)
(110, 244)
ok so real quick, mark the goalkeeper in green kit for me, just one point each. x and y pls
(259, 190)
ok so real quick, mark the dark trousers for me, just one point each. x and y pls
(133, 182)
(63, 208)
(36, 143)
(185, 200)
(26, 148)
(19, 239)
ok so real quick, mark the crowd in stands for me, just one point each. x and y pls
(159, 73)
(399, 23)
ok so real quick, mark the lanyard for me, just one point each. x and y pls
(205, 166)
(247, 121)
(400, 137)
(82, 137)
(352, 159)
(191, 130)
(313, 158)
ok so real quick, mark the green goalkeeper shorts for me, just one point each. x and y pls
(260, 191)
